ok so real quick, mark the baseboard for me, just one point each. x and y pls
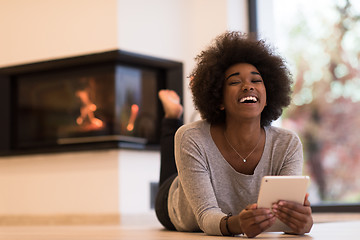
(98, 219)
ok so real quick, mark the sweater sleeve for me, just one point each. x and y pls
(195, 178)
(293, 159)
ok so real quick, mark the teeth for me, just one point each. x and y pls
(250, 98)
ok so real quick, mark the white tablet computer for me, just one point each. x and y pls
(275, 188)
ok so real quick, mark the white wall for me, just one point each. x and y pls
(46, 184)
(176, 29)
(98, 182)
(137, 169)
(39, 30)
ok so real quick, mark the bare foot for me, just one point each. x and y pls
(171, 103)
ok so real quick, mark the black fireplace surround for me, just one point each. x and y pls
(96, 101)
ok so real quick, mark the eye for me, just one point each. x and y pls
(257, 81)
(234, 82)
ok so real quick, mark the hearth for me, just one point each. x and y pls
(99, 100)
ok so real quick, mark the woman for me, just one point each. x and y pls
(239, 87)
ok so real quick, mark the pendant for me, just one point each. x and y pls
(244, 160)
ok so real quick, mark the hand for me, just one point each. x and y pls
(296, 216)
(254, 221)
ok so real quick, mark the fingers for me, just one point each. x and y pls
(254, 221)
(292, 206)
(296, 216)
(306, 201)
(251, 206)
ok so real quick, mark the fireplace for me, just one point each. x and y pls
(102, 100)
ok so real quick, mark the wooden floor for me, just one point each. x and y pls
(146, 228)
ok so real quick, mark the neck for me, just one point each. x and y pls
(243, 132)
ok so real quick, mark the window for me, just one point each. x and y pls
(320, 42)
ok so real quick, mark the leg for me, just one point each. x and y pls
(161, 204)
(170, 124)
(167, 157)
(168, 171)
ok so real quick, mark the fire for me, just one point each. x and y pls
(87, 110)
(133, 115)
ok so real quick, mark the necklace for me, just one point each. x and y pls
(244, 159)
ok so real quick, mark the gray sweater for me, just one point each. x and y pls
(208, 187)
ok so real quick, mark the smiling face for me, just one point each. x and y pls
(244, 92)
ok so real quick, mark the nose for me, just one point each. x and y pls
(247, 87)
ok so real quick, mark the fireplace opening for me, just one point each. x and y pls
(101, 100)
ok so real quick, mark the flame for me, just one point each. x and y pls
(87, 110)
(133, 115)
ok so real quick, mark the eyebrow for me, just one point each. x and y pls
(238, 73)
